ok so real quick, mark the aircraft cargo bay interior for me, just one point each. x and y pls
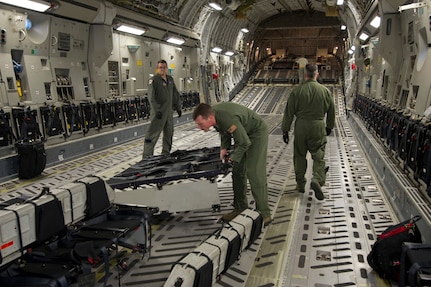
(115, 117)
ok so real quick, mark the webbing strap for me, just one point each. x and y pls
(21, 247)
(219, 258)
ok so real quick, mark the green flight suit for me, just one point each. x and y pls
(250, 134)
(310, 103)
(164, 98)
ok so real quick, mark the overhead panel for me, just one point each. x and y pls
(85, 11)
(157, 29)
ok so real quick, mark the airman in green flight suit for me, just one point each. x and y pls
(164, 98)
(250, 135)
(310, 103)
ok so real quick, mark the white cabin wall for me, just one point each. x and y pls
(85, 61)
(418, 99)
(8, 85)
(31, 51)
(136, 67)
(374, 69)
(387, 80)
(131, 64)
(400, 60)
(101, 42)
(390, 41)
(194, 83)
(363, 72)
(68, 57)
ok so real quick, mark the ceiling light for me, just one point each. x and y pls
(343, 27)
(350, 52)
(215, 6)
(353, 48)
(229, 53)
(216, 50)
(411, 6)
(340, 2)
(376, 22)
(245, 30)
(129, 29)
(175, 40)
(363, 36)
(35, 5)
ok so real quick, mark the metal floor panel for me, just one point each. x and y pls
(309, 243)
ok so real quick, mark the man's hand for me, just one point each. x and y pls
(328, 131)
(223, 153)
(286, 137)
(179, 112)
(159, 115)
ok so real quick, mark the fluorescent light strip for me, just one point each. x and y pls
(340, 2)
(343, 27)
(130, 29)
(376, 22)
(217, 50)
(34, 5)
(363, 36)
(216, 6)
(175, 40)
(229, 53)
(245, 30)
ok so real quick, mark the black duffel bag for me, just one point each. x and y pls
(385, 254)
(31, 158)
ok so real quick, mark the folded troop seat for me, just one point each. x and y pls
(181, 181)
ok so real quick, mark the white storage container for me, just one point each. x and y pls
(73, 198)
(192, 270)
(12, 233)
(215, 253)
(228, 239)
(249, 225)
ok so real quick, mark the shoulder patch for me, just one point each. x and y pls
(150, 81)
(232, 129)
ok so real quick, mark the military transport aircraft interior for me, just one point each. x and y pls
(199, 143)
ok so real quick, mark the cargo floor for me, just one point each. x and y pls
(309, 243)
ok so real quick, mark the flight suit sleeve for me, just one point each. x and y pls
(330, 116)
(242, 141)
(289, 113)
(176, 99)
(152, 89)
(225, 140)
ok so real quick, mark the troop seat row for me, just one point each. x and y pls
(64, 235)
(407, 138)
(189, 99)
(31, 123)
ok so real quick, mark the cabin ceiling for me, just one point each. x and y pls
(300, 26)
(254, 11)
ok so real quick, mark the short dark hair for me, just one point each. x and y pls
(311, 70)
(162, 62)
(203, 110)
